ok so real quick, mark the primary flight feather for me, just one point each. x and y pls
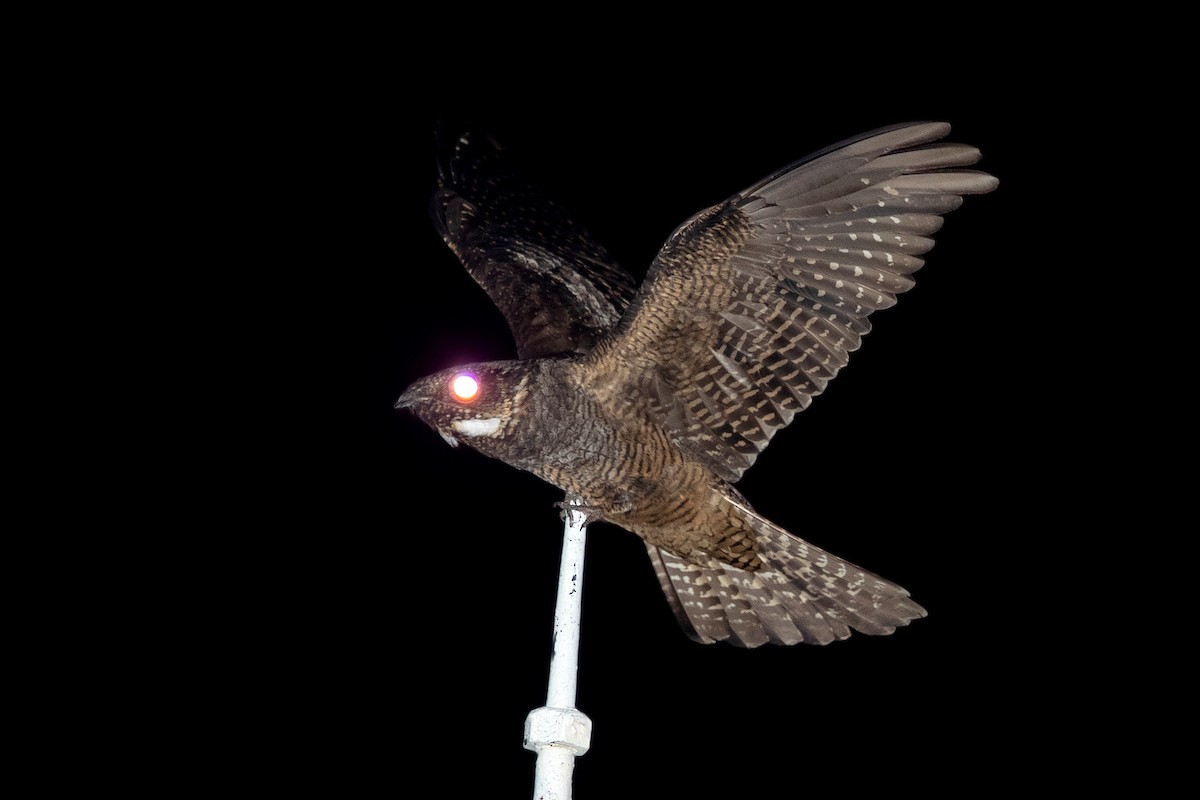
(648, 406)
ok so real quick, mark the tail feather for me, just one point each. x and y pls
(743, 616)
(774, 618)
(820, 622)
(689, 590)
(800, 594)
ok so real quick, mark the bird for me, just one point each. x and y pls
(646, 404)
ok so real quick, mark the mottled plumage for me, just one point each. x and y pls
(556, 286)
(747, 313)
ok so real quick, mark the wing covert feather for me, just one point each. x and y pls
(754, 305)
(556, 286)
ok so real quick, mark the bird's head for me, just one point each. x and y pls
(471, 402)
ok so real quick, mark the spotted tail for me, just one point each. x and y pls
(800, 594)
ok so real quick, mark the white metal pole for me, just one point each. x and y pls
(558, 732)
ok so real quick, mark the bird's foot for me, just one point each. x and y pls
(590, 514)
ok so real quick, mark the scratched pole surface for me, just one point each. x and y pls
(559, 732)
(564, 660)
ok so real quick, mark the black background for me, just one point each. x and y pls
(404, 628)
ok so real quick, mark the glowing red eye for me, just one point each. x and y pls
(464, 388)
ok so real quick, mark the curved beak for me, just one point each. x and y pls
(409, 399)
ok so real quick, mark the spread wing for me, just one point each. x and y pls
(555, 285)
(753, 306)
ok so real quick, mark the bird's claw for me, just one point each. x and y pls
(590, 514)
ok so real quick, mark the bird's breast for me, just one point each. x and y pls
(619, 462)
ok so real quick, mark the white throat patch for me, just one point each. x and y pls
(476, 427)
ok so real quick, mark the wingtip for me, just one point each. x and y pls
(932, 129)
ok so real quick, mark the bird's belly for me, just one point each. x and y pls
(612, 470)
(667, 505)
(681, 508)
(628, 472)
